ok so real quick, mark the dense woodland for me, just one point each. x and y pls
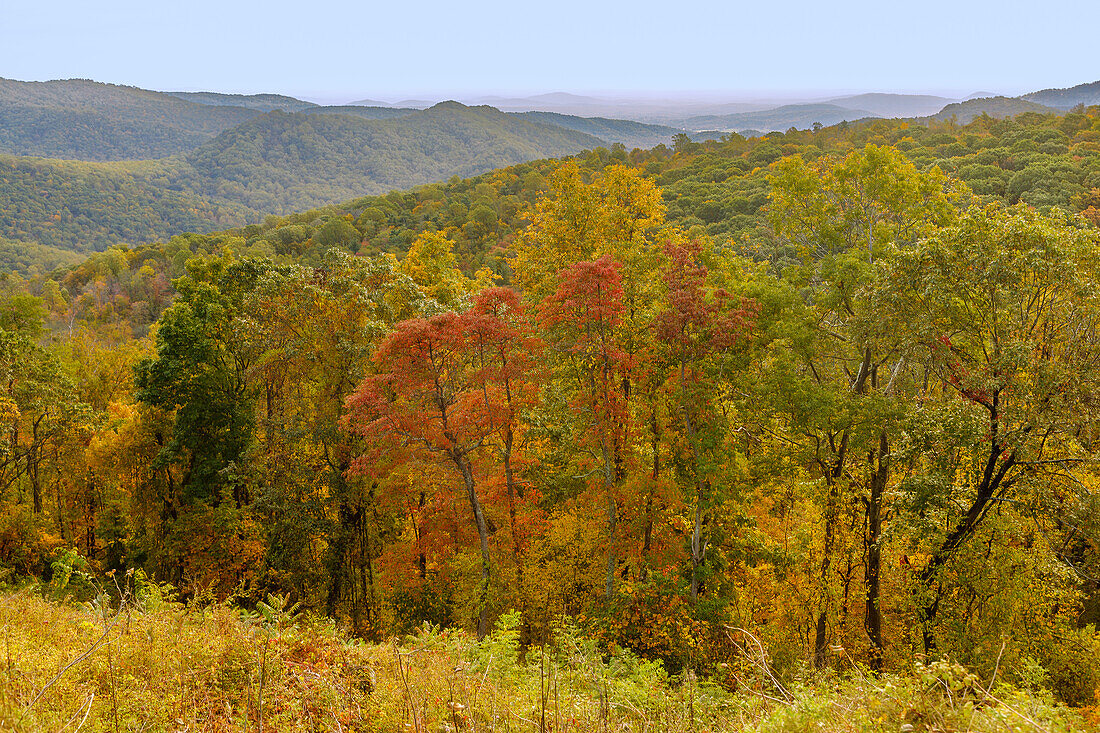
(1042, 160)
(835, 388)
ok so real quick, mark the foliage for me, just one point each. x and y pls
(850, 429)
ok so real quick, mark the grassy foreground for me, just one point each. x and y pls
(158, 666)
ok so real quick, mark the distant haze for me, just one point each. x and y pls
(339, 51)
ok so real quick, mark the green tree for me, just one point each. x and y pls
(1005, 305)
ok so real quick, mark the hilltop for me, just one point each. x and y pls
(1086, 94)
(261, 102)
(88, 120)
(995, 107)
(286, 161)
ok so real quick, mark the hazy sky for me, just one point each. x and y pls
(339, 50)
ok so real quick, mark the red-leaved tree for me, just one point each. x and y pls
(450, 389)
(582, 321)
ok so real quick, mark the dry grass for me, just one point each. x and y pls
(162, 667)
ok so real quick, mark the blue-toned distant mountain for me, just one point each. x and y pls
(894, 105)
(799, 116)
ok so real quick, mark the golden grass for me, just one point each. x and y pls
(68, 667)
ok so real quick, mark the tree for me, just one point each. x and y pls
(581, 321)
(1006, 308)
(202, 372)
(695, 328)
(505, 350)
(448, 388)
(843, 216)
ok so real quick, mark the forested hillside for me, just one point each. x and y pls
(261, 102)
(88, 120)
(751, 409)
(282, 162)
(1086, 94)
(631, 134)
(367, 113)
(86, 207)
(1043, 160)
(996, 107)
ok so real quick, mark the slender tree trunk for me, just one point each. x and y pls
(517, 545)
(421, 557)
(831, 510)
(33, 462)
(89, 531)
(337, 559)
(832, 478)
(698, 546)
(464, 467)
(997, 466)
(612, 520)
(647, 537)
(873, 617)
(821, 630)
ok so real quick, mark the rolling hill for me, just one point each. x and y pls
(629, 133)
(1065, 99)
(285, 161)
(261, 102)
(276, 163)
(996, 107)
(87, 120)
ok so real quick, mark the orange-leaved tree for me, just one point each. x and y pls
(581, 321)
(449, 389)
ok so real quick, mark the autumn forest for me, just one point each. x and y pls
(753, 413)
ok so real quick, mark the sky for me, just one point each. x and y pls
(342, 50)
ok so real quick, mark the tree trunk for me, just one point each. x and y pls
(517, 549)
(873, 617)
(464, 467)
(612, 521)
(698, 547)
(997, 466)
(647, 537)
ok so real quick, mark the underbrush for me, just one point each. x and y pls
(156, 665)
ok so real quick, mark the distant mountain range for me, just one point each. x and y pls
(282, 162)
(79, 119)
(629, 133)
(799, 116)
(894, 105)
